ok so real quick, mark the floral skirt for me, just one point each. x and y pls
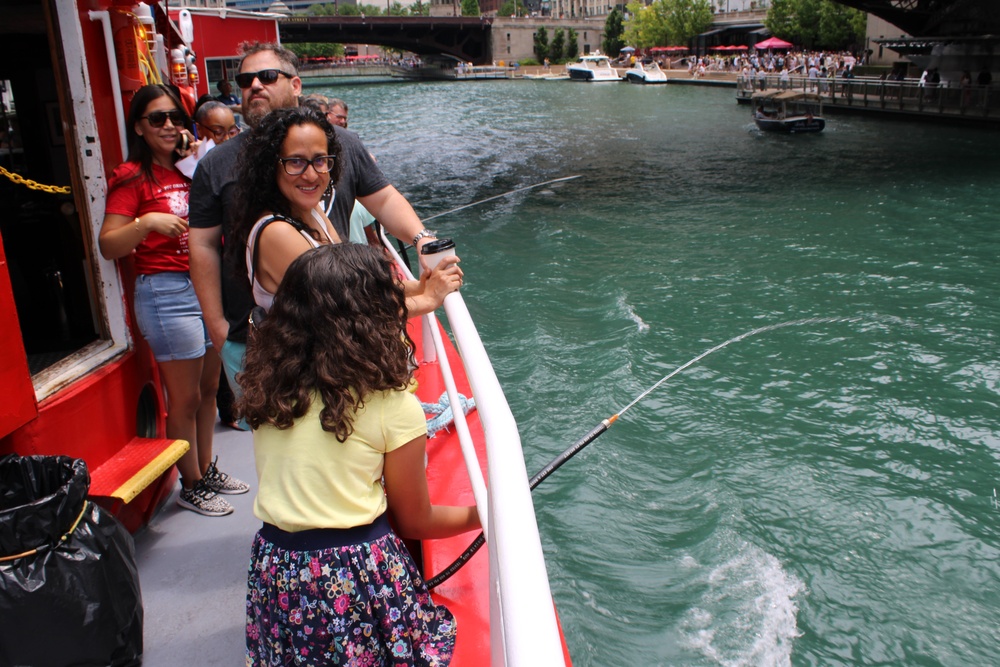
(312, 600)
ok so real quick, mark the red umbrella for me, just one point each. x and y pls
(773, 43)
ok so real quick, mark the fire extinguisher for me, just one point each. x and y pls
(124, 27)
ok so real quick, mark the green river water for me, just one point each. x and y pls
(817, 494)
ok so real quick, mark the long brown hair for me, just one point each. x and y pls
(138, 149)
(337, 328)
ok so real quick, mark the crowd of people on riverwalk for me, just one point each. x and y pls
(771, 62)
(247, 260)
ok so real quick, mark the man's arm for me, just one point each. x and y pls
(205, 247)
(392, 210)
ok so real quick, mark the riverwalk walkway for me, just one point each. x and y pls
(971, 104)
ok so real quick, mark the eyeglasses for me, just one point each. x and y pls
(219, 132)
(159, 118)
(296, 166)
(266, 76)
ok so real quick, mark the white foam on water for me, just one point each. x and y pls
(630, 313)
(746, 615)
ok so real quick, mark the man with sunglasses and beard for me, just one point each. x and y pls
(269, 80)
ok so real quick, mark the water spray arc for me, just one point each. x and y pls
(505, 194)
(605, 424)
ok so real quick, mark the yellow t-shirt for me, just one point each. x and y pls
(306, 479)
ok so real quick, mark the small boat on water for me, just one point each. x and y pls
(594, 68)
(650, 73)
(790, 111)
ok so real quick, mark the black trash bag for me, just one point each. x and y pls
(71, 595)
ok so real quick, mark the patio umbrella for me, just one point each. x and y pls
(773, 43)
(628, 49)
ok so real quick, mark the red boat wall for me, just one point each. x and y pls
(18, 407)
(94, 409)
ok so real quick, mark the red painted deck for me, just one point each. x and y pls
(466, 593)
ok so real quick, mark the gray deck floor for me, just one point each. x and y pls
(192, 571)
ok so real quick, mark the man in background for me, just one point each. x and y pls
(226, 95)
(336, 112)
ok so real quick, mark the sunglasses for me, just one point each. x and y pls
(296, 166)
(159, 118)
(266, 76)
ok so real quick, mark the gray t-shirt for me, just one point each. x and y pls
(214, 186)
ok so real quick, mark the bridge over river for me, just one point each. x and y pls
(466, 38)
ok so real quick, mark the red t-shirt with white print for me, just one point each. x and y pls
(135, 197)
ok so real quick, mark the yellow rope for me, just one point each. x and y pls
(34, 185)
(65, 537)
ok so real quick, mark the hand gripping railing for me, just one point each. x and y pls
(523, 628)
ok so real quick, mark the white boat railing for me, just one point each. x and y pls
(523, 627)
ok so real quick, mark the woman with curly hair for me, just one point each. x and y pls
(328, 576)
(287, 166)
(146, 218)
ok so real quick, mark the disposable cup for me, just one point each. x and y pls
(434, 251)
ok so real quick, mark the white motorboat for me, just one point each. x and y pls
(594, 67)
(650, 73)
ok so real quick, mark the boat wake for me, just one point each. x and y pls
(746, 615)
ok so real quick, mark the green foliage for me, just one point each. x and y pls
(614, 32)
(322, 10)
(780, 20)
(816, 24)
(371, 10)
(471, 8)
(528, 62)
(349, 10)
(633, 28)
(315, 49)
(420, 8)
(512, 8)
(541, 43)
(572, 45)
(841, 26)
(397, 9)
(557, 45)
(667, 22)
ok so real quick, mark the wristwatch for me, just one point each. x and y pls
(423, 234)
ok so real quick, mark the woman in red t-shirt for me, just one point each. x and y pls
(146, 217)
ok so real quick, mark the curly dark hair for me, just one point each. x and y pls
(337, 328)
(257, 171)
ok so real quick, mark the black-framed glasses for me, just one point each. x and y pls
(296, 166)
(218, 132)
(159, 118)
(266, 76)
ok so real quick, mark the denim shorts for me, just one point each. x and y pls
(169, 317)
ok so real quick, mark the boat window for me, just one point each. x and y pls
(45, 241)
(218, 69)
